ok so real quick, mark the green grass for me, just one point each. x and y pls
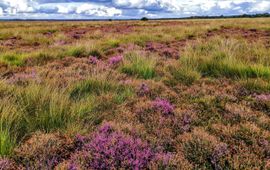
(44, 108)
(256, 85)
(78, 51)
(185, 75)
(102, 86)
(139, 66)
(6, 143)
(91, 86)
(12, 59)
(225, 58)
(233, 69)
(123, 94)
(37, 108)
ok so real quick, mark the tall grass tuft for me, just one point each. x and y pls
(12, 59)
(44, 108)
(92, 86)
(256, 85)
(225, 58)
(77, 51)
(185, 75)
(139, 66)
(10, 125)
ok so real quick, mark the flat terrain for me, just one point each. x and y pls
(180, 94)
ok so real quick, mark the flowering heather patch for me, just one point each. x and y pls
(23, 78)
(263, 97)
(143, 90)
(6, 164)
(115, 60)
(262, 102)
(93, 60)
(163, 106)
(44, 151)
(186, 121)
(109, 149)
(219, 152)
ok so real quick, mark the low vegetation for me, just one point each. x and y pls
(187, 94)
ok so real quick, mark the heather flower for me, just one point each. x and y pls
(143, 90)
(44, 151)
(186, 121)
(165, 158)
(263, 143)
(163, 106)
(263, 97)
(109, 149)
(93, 60)
(115, 60)
(126, 82)
(6, 164)
(219, 152)
(72, 166)
(22, 78)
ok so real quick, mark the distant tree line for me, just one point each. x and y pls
(233, 16)
(215, 17)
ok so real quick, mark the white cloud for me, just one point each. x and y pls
(18, 6)
(97, 10)
(263, 6)
(63, 10)
(128, 8)
(225, 4)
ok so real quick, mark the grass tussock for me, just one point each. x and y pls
(185, 75)
(256, 85)
(225, 58)
(139, 66)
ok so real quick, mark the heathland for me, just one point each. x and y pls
(179, 94)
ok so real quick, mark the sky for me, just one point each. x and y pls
(127, 9)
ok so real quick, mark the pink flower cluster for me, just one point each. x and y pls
(109, 149)
(220, 151)
(115, 60)
(143, 90)
(263, 97)
(21, 78)
(5, 164)
(163, 106)
(93, 60)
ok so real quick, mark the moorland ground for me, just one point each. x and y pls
(180, 94)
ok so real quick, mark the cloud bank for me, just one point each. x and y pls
(122, 9)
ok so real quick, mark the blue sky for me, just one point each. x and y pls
(123, 9)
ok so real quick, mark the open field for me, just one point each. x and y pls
(187, 94)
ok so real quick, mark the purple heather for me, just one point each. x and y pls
(115, 60)
(163, 106)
